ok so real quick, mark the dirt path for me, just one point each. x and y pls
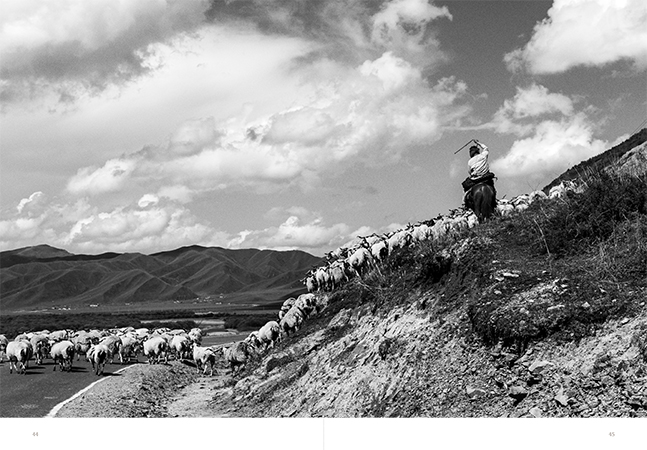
(141, 391)
(195, 400)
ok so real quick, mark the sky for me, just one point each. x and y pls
(144, 126)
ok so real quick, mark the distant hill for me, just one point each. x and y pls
(34, 277)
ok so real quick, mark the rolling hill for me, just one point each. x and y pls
(40, 276)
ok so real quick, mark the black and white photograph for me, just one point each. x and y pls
(324, 224)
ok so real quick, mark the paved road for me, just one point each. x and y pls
(41, 388)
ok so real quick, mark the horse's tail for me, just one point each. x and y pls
(483, 196)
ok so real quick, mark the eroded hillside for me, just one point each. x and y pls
(541, 313)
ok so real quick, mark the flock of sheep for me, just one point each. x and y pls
(98, 346)
(357, 259)
(368, 252)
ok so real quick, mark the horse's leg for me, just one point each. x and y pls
(477, 201)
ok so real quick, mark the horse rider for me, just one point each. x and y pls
(479, 172)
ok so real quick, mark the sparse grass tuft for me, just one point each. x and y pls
(578, 221)
(587, 263)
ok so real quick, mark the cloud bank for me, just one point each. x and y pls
(585, 33)
(74, 46)
(153, 224)
(553, 134)
(380, 110)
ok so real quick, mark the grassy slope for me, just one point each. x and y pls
(452, 329)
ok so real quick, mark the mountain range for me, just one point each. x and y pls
(41, 276)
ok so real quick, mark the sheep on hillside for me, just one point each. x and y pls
(269, 334)
(237, 356)
(204, 357)
(286, 307)
(292, 321)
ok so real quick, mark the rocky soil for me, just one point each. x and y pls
(403, 365)
(139, 391)
(411, 365)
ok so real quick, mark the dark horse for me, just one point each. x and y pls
(483, 200)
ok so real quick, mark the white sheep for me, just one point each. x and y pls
(286, 307)
(380, 250)
(129, 346)
(155, 348)
(203, 357)
(58, 335)
(63, 354)
(195, 334)
(142, 333)
(504, 207)
(399, 239)
(253, 341)
(421, 232)
(306, 303)
(269, 334)
(19, 353)
(114, 344)
(472, 220)
(98, 356)
(3, 346)
(338, 272)
(322, 278)
(21, 337)
(311, 282)
(440, 228)
(361, 260)
(292, 321)
(537, 195)
(181, 346)
(237, 355)
(41, 347)
(556, 191)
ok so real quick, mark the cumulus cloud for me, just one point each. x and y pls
(31, 202)
(585, 33)
(313, 235)
(552, 134)
(77, 44)
(401, 27)
(553, 147)
(519, 114)
(383, 107)
(110, 177)
(148, 200)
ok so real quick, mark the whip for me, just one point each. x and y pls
(468, 143)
